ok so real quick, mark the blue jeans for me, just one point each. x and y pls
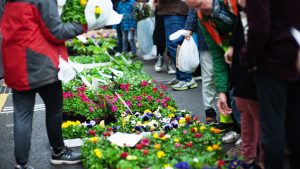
(129, 37)
(174, 23)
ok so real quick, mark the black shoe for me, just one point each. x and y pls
(66, 156)
(211, 116)
(23, 167)
(225, 126)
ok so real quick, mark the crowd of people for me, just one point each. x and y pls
(248, 64)
(248, 60)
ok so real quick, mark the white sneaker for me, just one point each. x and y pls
(184, 85)
(239, 142)
(198, 78)
(117, 54)
(159, 64)
(171, 69)
(149, 57)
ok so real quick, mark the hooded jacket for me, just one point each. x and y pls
(33, 41)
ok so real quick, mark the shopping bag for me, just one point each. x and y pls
(187, 59)
(66, 72)
(145, 30)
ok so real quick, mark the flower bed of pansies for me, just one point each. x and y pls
(134, 103)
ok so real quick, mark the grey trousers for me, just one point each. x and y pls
(23, 113)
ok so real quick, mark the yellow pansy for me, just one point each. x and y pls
(202, 128)
(164, 138)
(147, 111)
(139, 123)
(160, 154)
(83, 2)
(212, 129)
(209, 148)
(181, 121)
(94, 139)
(98, 153)
(176, 140)
(78, 122)
(171, 115)
(155, 135)
(195, 128)
(146, 122)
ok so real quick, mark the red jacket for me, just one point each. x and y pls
(33, 40)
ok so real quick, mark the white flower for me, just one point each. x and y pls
(92, 123)
(133, 123)
(157, 115)
(196, 160)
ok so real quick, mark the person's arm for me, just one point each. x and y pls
(53, 28)
(259, 20)
(191, 20)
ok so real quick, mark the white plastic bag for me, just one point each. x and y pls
(66, 72)
(145, 29)
(188, 56)
(60, 5)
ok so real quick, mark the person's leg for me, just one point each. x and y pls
(293, 116)
(125, 41)
(248, 127)
(53, 99)
(272, 94)
(173, 24)
(208, 85)
(120, 39)
(131, 39)
(23, 113)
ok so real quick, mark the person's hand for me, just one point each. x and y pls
(222, 105)
(189, 34)
(242, 3)
(228, 55)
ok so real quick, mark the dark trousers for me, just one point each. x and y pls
(279, 115)
(23, 113)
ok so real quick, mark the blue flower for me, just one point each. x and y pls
(138, 128)
(182, 165)
(168, 127)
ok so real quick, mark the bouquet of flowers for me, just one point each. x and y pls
(142, 11)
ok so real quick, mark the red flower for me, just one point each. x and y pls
(161, 134)
(139, 146)
(198, 135)
(92, 132)
(161, 94)
(154, 80)
(106, 134)
(124, 155)
(189, 144)
(193, 130)
(110, 129)
(221, 163)
(146, 152)
(155, 89)
(144, 83)
(145, 142)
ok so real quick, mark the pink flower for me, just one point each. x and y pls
(184, 131)
(144, 83)
(82, 88)
(125, 87)
(166, 99)
(145, 142)
(67, 95)
(128, 103)
(114, 108)
(139, 98)
(154, 80)
(165, 105)
(149, 98)
(91, 109)
(139, 104)
(155, 89)
(163, 87)
(158, 100)
(177, 145)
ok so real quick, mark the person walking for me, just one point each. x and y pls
(175, 14)
(33, 40)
